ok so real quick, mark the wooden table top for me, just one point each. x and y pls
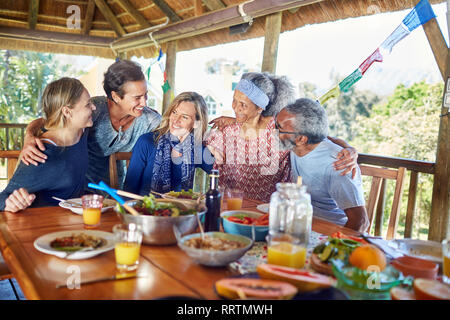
(168, 270)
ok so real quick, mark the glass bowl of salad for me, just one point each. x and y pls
(243, 222)
(158, 218)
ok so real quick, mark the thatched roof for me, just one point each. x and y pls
(41, 25)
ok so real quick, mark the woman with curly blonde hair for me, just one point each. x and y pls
(165, 159)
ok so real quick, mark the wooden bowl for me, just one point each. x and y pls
(319, 266)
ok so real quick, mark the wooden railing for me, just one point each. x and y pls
(7, 127)
(415, 167)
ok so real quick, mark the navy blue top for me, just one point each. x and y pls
(62, 175)
(140, 170)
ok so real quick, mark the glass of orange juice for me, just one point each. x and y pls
(234, 199)
(286, 251)
(128, 239)
(92, 210)
(446, 262)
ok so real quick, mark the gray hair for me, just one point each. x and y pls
(310, 119)
(278, 88)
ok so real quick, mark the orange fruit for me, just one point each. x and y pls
(367, 255)
(398, 293)
(426, 289)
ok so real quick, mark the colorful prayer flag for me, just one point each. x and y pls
(333, 93)
(148, 72)
(375, 56)
(345, 84)
(420, 14)
(166, 86)
(399, 33)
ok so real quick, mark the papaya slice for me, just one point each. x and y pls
(398, 293)
(247, 288)
(304, 280)
(426, 289)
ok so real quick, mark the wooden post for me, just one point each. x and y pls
(170, 71)
(33, 10)
(439, 224)
(437, 44)
(410, 211)
(273, 28)
(379, 215)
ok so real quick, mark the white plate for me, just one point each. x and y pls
(263, 207)
(42, 244)
(107, 204)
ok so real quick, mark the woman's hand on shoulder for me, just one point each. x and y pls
(20, 199)
(347, 160)
(30, 153)
(219, 157)
(222, 122)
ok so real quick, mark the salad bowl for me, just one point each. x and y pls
(158, 230)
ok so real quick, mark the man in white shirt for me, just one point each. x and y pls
(303, 129)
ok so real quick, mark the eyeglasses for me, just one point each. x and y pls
(277, 126)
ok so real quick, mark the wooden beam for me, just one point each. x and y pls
(214, 4)
(134, 13)
(208, 22)
(54, 37)
(437, 44)
(198, 8)
(110, 17)
(440, 209)
(89, 17)
(171, 62)
(273, 28)
(33, 10)
(168, 11)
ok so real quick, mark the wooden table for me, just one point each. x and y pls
(169, 271)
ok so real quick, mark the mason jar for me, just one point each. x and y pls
(290, 219)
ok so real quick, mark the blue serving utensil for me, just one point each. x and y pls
(113, 193)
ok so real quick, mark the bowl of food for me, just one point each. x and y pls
(187, 195)
(158, 218)
(415, 267)
(244, 222)
(216, 249)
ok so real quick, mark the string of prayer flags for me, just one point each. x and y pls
(333, 93)
(161, 60)
(419, 15)
(375, 56)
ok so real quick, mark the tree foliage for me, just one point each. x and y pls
(23, 77)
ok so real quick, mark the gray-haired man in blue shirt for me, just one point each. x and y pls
(303, 129)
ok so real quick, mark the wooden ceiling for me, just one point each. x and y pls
(42, 25)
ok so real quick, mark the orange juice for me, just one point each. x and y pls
(286, 254)
(91, 216)
(127, 253)
(446, 266)
(234, 203)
